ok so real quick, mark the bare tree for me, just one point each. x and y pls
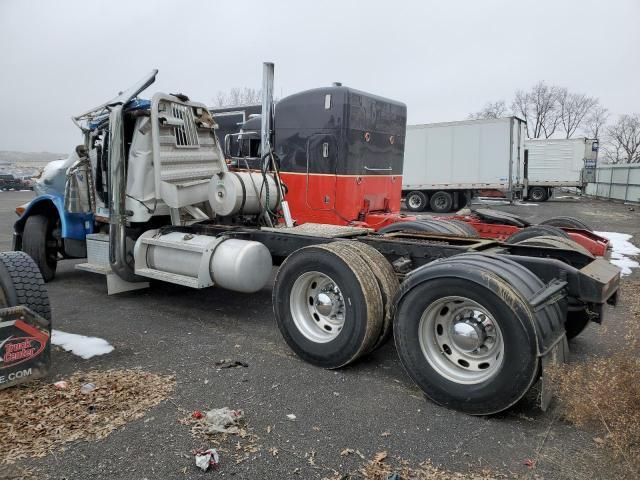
(624, 138)
(573, 109)
(237, 96)
(539, 107)
(491, 110)
(595, 121)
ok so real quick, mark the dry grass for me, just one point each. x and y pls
(604, 393)
(383, 467)
(38, 418)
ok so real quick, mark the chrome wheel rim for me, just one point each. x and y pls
(317, 307)
(461, 340)
(414, 201)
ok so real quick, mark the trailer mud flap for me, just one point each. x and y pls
(557, 355)
(24, 346)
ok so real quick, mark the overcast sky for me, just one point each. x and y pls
(443, 59)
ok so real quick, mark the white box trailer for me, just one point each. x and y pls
(558, 162)
(446, 163)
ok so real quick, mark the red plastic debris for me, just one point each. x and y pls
(197, 414)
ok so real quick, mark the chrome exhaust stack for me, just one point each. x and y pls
(265, 137)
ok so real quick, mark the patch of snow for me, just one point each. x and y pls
(621, 251)
(85, 347)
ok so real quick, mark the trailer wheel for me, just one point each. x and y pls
(39, 243)
(555, 242)
(21, 284)
(567, 222)
(416, 201)
(386, 277)
(327, 305)
(536, 231)
(538, 194)
(441, 202)
(465, 332)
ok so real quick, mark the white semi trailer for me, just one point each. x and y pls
(446, 163)
(558, 162)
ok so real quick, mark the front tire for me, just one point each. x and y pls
(38, 242)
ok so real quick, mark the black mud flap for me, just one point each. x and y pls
(557, 355)
(24, 346)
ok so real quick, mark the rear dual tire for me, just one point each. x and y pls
(490, 291)
(328, 305)
(567, 222)
(447, 227)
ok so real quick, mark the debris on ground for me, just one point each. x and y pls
(383, 467)
(602, 393)
(87, 388)
(223, 420)
(39, 418)
(228, 363)
(80, 345)
(225, 429)
(291, 416)
(61, 385)
(206, 458)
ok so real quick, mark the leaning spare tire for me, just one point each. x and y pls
(21, 284)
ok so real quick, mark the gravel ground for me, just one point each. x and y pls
(370, 406)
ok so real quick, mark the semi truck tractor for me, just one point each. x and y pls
(445, 164)
(558, 162)
(149, 195)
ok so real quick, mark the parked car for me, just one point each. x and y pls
(10, 182)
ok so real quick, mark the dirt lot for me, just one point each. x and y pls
(369, 407)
